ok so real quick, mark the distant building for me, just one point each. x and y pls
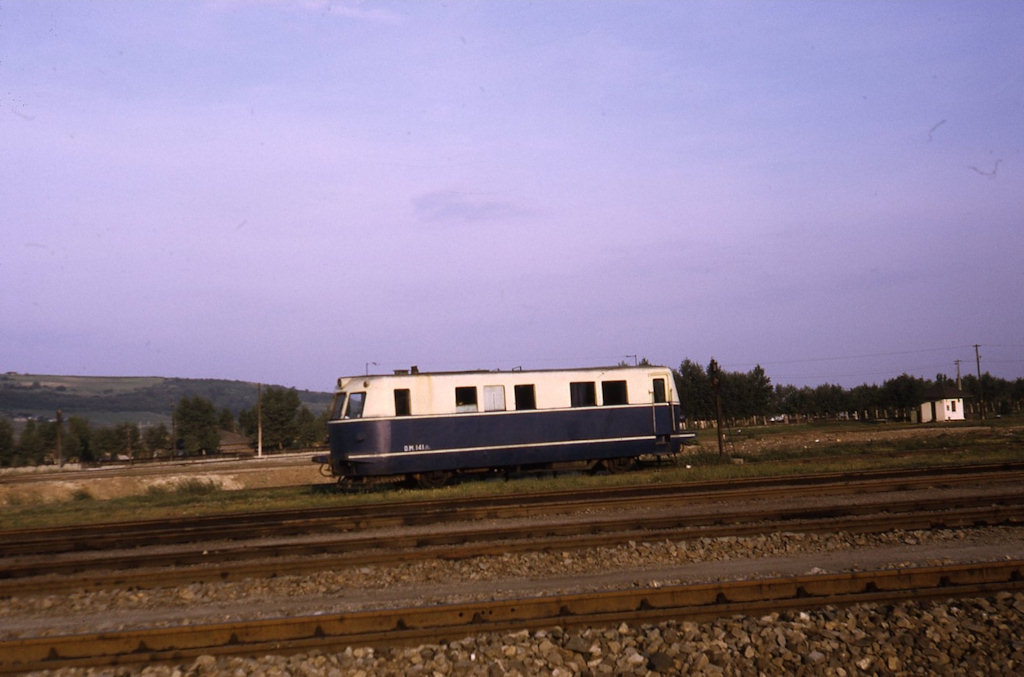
(235, 444)
(942, 402)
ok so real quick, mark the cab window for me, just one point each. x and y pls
(355, 405)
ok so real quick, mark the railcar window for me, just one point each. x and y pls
(338, 406)
(465, 398)
(613, 392)
(355, 405)
(403, 402)
(582, 394)
(660, 394)
(526, 397)
(494, 398)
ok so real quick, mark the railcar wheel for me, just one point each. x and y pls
(615, 466)
(430, 480)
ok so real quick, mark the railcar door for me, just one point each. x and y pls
(661, 409)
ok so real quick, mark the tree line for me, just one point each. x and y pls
(750, 395)
(197, 424)
(196, 429)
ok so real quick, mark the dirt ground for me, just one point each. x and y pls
(739, 441)
(50, 484)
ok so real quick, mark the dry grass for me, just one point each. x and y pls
(757, 453)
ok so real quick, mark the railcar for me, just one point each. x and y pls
(427, 426)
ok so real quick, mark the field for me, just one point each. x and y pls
(49, 497)
(106, 400)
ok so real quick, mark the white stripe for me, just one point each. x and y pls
(428, 452)
(499, 412)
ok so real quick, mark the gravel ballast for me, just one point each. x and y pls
(959, 637)
(963, 637)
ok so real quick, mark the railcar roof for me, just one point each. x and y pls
(414, 372)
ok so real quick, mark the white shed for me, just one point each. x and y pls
(942, 402)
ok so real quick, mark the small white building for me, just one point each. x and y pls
(942, 402)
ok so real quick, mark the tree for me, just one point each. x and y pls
(280, 425)
(760, 389)
(31, 445)
(78, 443)
(130, 439)
(287, 423)
(6, 442)
(226, 420)
(106, 443)
(694, 389)
(830, 399)
(157, 439)
(195, 422)
(248, 422)
(307, 432)
(743, 394)
(1017, 394)
(866, 400)
(746, 394)
(904, 392)
(786, 400)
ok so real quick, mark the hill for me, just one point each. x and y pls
(107, 400)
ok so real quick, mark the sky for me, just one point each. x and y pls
(289, 192)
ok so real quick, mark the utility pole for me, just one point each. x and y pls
(981, 393)
(716, 383)
(60, 441)
(174, 440)
(259, 420)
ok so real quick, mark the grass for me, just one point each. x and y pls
(1003, 441)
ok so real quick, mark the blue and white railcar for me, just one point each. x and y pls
(429, 425)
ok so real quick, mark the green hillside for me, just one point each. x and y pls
(108, 400)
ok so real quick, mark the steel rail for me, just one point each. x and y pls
(354, 518)
(235, 562)
(411, 625)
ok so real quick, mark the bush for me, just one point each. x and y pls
(187, 487)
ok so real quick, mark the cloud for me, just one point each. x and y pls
(355, 10)
(453, 206)
(349, 9)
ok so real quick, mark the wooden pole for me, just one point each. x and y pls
(60, 440)
(259, 420)
(716, 383)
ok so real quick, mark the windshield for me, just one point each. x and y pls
(337, 406)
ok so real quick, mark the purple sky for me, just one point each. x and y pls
(288, 192)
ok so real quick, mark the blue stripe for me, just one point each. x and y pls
(401, 445)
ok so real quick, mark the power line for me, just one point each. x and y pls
(863, 356)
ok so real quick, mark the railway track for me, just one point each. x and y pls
(290, 523)
(146, 568)
(435, 622)
(555, 522)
